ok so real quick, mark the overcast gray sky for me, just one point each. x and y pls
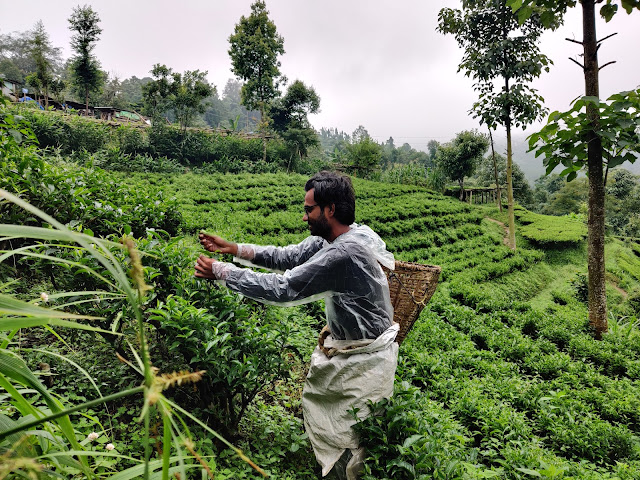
(375, 63)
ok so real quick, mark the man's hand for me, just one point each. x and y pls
(203, 268)
(212, 269)
(214, 243)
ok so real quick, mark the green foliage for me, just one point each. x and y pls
(40, 50)
(521, 189)
(69, 134)
(55, 447)
(15, 132)
(496, 387)
(551, 10)
(563, 140)
(85, 68)
(363, 157)
(483, 29)
(241, 354)
(550, 230)
(581, 287)
(459, 158)
(83, 198)
(289, 114)
(408, 437)
(160, 148)
(254, 48)
(183, 95)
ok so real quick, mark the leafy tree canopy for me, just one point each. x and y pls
(290, 117)
(363, 156)
(182, 94)
(85, 67)
(485, 178)
(564, 139)
(254, 49)
(459, 158)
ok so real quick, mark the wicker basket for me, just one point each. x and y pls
(411, 286)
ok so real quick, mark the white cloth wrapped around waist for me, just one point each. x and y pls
(348, 380)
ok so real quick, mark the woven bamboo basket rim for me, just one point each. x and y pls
(411, 286)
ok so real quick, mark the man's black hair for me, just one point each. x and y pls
(334, 188)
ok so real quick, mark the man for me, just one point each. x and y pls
(340, 263)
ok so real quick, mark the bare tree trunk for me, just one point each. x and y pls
(86, 98)
(263, 124)
(512, 220)
(495, 171)
(596, 225)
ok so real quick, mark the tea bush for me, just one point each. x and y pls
(87, 197)
(409, 436)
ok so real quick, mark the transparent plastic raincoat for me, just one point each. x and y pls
(346, 273)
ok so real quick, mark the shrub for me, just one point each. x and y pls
(86, 197)
(408, 436)
(550, 230)
(242, 353)
(580, 285)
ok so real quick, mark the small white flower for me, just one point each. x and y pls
(92, 436)
(109, 446)
(44, 297)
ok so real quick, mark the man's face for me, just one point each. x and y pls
(314, 216)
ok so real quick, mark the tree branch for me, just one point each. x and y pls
(577, 63)
(608, 36)
(608, 63)
(574, 41)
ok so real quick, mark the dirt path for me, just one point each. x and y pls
(505, 240)
(619, 290)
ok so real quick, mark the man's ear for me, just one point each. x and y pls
(332, 210)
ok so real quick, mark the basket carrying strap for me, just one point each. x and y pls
(421, 303)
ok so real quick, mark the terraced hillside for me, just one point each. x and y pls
(501, 376)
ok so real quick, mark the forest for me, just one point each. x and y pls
(116, 362)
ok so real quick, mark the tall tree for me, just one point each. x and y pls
(497, 47)
(86, 74)
(191, 93)
(363, 156)
(184, 94)
(254, 49)
(591, 125)
(459, 158)
(157, 93)
(15, 53)
(40, 47)
(290, 119)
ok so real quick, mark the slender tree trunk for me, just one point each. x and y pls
(86, 101)
(461, 183)
(512, 221)
(263, 122)
(495, 171)
(596, 261)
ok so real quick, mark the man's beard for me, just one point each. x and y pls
(320, 227)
